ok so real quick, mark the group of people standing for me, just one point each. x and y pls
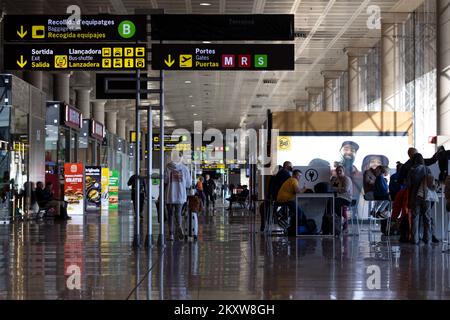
(413, 192)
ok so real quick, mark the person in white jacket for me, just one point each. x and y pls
(176, 180)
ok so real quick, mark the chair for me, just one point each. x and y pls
(277, 215)
(353, 212)
(374, 219)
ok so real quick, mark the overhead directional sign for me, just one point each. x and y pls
(223, 27)
(242, 57)
(46, 28)
(103, 81)
(171, 142)
(61, 57)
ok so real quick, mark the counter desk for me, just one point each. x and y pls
(314, 206)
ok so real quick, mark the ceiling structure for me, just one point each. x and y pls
(233, 99)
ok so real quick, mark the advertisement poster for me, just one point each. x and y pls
(93, 188)
(105, 194)
(73, 188)
(114, 189)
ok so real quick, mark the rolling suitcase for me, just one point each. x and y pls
(191, 225)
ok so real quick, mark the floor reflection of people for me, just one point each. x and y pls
(175, 271)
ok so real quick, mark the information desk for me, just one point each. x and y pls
(314, 206)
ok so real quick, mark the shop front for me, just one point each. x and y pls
(22, 112)
(90, 142)
(63, 132)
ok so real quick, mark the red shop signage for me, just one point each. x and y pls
(73, 118)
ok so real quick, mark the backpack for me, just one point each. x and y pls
(323, 187)
(327, 224)
(311, 227)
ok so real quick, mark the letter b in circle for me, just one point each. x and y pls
(127, 29)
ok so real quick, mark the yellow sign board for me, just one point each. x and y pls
(185, 60)
(284, 143)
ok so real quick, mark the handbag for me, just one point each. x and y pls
(432, 196)
(431, 193)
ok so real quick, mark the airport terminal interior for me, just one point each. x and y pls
(224, 149)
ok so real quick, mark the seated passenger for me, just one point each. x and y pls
(381, 192)
(288, 192)
(277, 180)
(369, 178)
(240, 197)
(381, 189)
(344, 190)
(46, 200)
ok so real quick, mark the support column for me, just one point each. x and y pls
(34, 78)
(121, 128)
(391, 71)
(111, 121)
(355, 78)
(98, 111)
(331, 90)
(443, 57)
(301, 105)
(83, 101)
(314, 98)
(61, 87)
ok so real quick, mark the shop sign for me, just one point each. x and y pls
(113, 189)
(222, 27)
(223, 57)
(93, 188)
(213, 166)
(105, 189)
(73, 188)
(97, 131)
(58, 28)
(62, 57)
(73, 118)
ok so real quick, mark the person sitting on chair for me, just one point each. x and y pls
(242, 196)
(344, 190)
(288, 192)
(381, 192)
(46, 200)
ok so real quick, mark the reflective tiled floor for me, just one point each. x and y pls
(229, 261)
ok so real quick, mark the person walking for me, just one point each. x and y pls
(176, 182)
(132, 183)
(209, 187)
